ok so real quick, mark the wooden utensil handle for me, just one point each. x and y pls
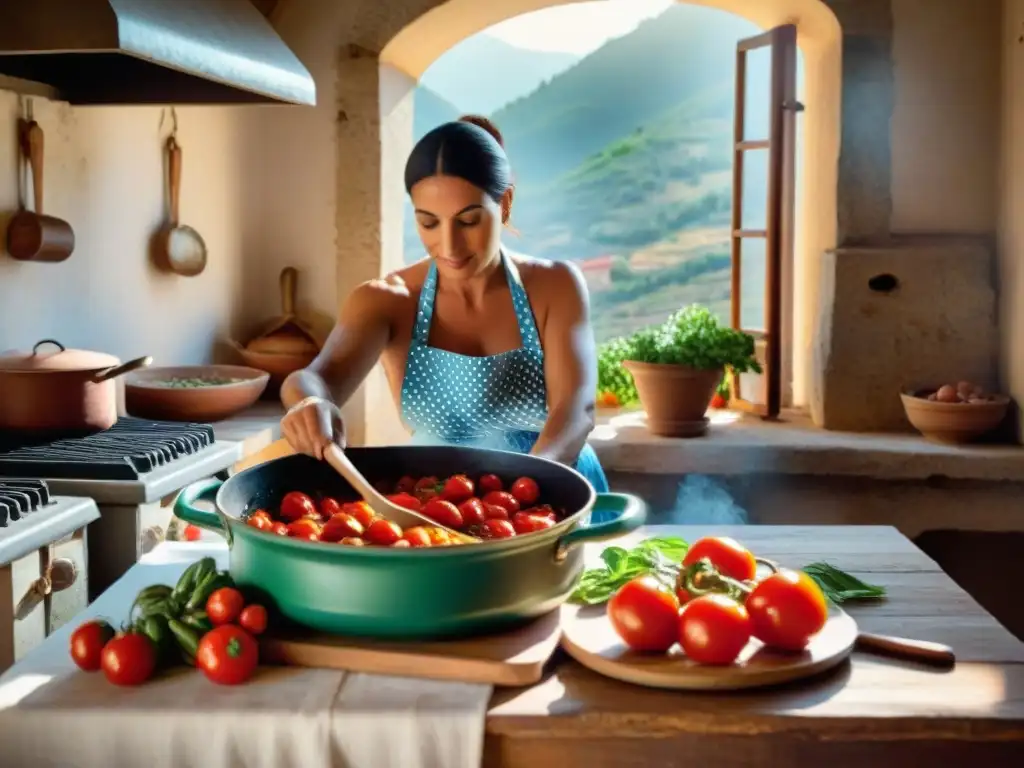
(289, 281)
(174, 178)
(915, 650)
(34, 142)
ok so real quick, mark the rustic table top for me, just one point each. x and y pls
(880, 712)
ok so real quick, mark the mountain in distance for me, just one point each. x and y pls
(483, 73)
(430, 110)
(619, 87)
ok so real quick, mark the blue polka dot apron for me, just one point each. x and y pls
(497, 402)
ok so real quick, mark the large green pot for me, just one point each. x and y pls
(423, 593)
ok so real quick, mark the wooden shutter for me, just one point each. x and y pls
(768, 242)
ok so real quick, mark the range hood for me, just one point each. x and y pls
(151, 52)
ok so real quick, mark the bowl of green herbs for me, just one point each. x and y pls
(197, 393)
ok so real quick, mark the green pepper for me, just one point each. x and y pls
(198, 620)
(186, 637)
(209, 585)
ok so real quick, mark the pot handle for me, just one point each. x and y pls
(632, 512)
(121, 370)
(184, 508)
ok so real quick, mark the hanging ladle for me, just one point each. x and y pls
(405, 518)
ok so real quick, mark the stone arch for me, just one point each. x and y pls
(418, 44)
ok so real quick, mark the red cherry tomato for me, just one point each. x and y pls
(494, 512)
(502, 499)
(253, 619)
(429, 483)
(472, 511)
(645, 615)
(443, 512)
(87, 642)
(543, 510)
(401, 544)
(224, 606)
(340, 526)
(457, 489)
(417, 536)
(406, 485)
(192, 532)
(227, 655)
(439, 537)
(353, 541)
(329, 507)
(496, 529)
(786, 610)
(524, 523)
(295, 506)
(128, 659)
(489, 483)
(730, 557)
(382, 532)
(713, 629)
(279, 528)
(361, 511)
(525, 491)
(305, 528)
(259, 522)
(406, 500)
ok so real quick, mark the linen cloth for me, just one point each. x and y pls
(52, 715)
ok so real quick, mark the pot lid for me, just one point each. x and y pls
(51, 355)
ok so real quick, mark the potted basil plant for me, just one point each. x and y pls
(675, 368)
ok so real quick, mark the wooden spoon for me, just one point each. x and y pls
(935, 654)
(406, 518)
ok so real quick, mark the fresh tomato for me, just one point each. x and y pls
(401, 544)
(405, 500)
(417, 536)
(728, 556)
(260, 513)
(87, 643)
(457, 488)
(353, 541)
(281, 529)
(786, 610)
(489, 483)
(439, 537)
(472, 511)
(227, 655)
(253, 619)
(329, 507)
(406, 485)
(524, 523)
(305, 528)
(260, 522)
(645, 615)
(719, 401)
(295, 506)
(128, 659)
(340, 526)
(361, 511)
(502, 499)
(443, 512)
(383, 532)
(224, 606)
(192, 532)
(543, 510)
(713, 629)
(496, 529)
(494, 512)
(525, 491)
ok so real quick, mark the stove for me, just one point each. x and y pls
(133, 471)
(43, 563)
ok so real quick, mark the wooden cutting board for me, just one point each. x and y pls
(589, 638)
(512, 659)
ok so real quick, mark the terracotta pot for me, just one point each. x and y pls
(953, 422)
(62, 391)
(675, 397)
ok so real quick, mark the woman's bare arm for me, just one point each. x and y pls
(356, 342)
(570, 366)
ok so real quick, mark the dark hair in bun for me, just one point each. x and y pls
(471, 149)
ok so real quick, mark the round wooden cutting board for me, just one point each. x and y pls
(588, 637)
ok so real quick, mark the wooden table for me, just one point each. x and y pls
(871, 712)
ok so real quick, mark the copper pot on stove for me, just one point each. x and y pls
(53, 389)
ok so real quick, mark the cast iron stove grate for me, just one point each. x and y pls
(126, 451)
(21, 497)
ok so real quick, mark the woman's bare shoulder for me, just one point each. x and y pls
(395, 287)
(550, 279)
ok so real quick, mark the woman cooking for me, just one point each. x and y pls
(480, 347)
